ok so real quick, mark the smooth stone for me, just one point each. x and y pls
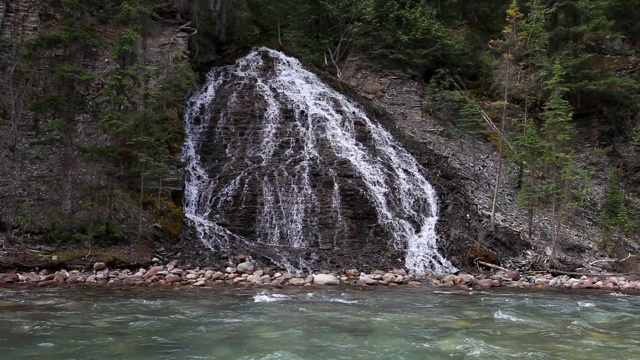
(154, 270)
(467, 279)
(99, 266)
(9, 278)
(46, 283)
(29, 277)
(513, 275)
(326, 279)
(246, 267)
(172, 278)
(296, 281)
(208, 274)
(199, 283)
(401, 272)
(258, 273)
(485, 283)
(61, 276)
(134, 279)
(370, 281)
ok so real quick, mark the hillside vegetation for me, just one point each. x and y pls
(92, 100)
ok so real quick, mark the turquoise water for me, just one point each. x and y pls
(320, 323)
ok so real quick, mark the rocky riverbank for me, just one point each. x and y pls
(246, 274)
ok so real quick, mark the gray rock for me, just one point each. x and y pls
(326, 279)
(199, 283)
(99, 266)
(246, 267)
(296, 281)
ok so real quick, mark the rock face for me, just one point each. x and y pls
(283, 167)
(461, 170)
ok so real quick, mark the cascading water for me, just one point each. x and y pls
(281, 165)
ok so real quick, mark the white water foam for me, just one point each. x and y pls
(504, 316)
(268, 298)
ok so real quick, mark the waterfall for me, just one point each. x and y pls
(280, 164)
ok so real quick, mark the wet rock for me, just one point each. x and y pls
(326, 279)
(133, 280)
(46, 283)
(172, 278)
(29, 277)
(208, 274)
(453, 279)
(513, 275)
(154, 270)
(246, 267)
(61, 276)
(401, 272)
(74, 279)
(9, 278)
(466, 279)
(102, 275)
(99, 266)
(296, 281)
(199, 283)
(484, 283)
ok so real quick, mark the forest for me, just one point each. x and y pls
(544, 81)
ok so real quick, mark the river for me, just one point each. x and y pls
(316, 323)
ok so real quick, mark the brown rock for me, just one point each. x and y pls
(172, 278)
(99, 266)
(61, 276)
(513, 275)
(153, 271)
(9, 278)
(484, 283)
(46, 283)
(296, 281)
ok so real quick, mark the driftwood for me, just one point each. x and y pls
(574, 273)
(491, 265)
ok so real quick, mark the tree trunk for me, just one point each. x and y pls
(140, 204)
(499, 172)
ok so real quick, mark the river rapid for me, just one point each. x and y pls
(316, 323)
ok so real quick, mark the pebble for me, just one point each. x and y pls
(246, 274)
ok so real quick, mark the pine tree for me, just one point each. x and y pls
(566, 185)
(614, 217)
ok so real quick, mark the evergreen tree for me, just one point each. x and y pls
(614, 217)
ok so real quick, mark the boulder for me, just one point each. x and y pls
(326, 279)
(246, 267)
(296, 281)
(9, 278)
